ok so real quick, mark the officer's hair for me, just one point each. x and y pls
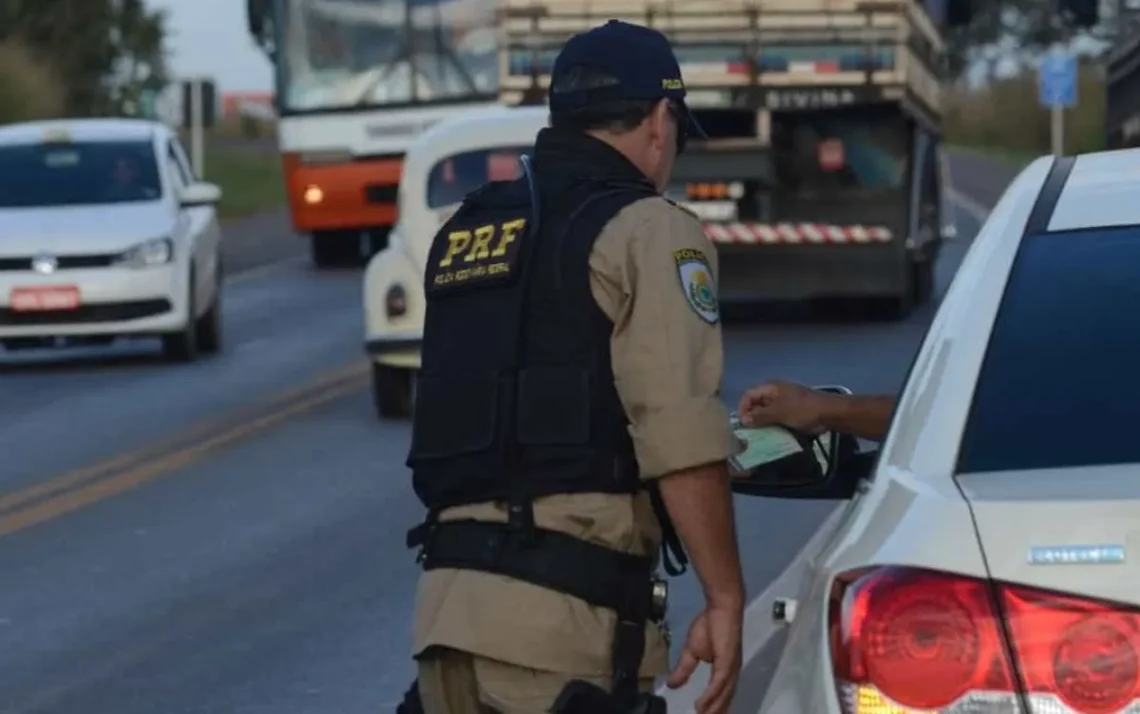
(600, 113)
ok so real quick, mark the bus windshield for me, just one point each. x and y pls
(341, 54)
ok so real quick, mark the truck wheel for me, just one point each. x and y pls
(324, 249)
(923, 281)
(392, 391)
(901, 305)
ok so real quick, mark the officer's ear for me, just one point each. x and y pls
(660, 120)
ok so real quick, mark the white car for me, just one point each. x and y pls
(452, 159)
(985, 563)
(106, 233)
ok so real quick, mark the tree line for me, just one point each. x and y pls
(78, 57)
(1020, 30)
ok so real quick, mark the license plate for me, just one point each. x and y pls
(713, 210)
(47, 298)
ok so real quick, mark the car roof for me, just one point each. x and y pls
(1100, 191)
(474, 129)
(98, 129)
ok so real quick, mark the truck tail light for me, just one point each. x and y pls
(715, 191)
(909, 641)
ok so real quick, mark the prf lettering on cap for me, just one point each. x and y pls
(479, 254)
(672, 84)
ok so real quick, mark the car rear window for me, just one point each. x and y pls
(456, 176)
(1058, 385)
(78, 173)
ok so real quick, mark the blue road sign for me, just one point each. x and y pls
(1058, 80)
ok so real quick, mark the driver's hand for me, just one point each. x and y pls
(784, 403)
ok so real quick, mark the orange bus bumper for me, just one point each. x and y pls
(353, 195)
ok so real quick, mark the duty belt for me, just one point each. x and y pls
(600, 576)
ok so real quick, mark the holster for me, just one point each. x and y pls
(412, 703)
(584, 698)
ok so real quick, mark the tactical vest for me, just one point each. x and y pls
(515, 397)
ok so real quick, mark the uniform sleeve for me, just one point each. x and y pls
(659, 287)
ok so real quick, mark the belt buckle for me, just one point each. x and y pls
(658, 599)
(422, 555)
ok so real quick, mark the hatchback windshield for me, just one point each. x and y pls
(1057, 387)
(84, 173)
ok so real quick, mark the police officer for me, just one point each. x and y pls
(568, 419)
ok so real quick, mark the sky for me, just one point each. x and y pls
(209, 38)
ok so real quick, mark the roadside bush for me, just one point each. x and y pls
(1006, 115)
(28, 89)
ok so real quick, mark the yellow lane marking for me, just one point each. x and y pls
(152, 469)
(351, 377)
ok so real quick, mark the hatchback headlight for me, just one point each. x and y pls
(159, 251)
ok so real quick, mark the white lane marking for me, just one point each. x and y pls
(758, 624)
(975, 210)
(267, 269)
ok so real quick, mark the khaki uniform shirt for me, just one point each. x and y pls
(652, 271)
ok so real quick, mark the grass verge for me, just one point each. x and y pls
(1018, 158)
(1004, 120)
(251, 181)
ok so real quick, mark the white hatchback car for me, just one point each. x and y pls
(981, 563)
(450, 160)
(106, 233)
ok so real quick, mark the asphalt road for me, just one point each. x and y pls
(227, 536)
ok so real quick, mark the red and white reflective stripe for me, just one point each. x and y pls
(794, 233)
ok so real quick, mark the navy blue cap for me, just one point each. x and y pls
(639, 58)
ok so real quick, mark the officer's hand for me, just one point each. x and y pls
(714, 637)
(784, 403)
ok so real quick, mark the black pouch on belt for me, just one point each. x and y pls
(584, 698)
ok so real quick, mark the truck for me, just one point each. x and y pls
(822, 175)
(1122, 96)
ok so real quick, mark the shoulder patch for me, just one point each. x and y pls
(697, 283)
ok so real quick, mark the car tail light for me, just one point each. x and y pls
(909, 641)
(396, 301)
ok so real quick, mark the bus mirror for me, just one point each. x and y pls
(255, 17)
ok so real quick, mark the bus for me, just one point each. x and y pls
(355, 82)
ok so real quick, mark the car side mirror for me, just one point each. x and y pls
(783, 463)
(200, 194)
(829, 467)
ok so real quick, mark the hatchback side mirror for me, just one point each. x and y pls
(200, 194)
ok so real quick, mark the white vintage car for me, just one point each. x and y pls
(447, 162)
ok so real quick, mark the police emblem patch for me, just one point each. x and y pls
(697, 283)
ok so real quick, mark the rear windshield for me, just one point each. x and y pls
(70, 174)
(822, 152)
(1058, 386)
(456, 176)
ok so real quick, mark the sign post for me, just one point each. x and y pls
(148, 103)
(197, 150)
(1057, 87)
